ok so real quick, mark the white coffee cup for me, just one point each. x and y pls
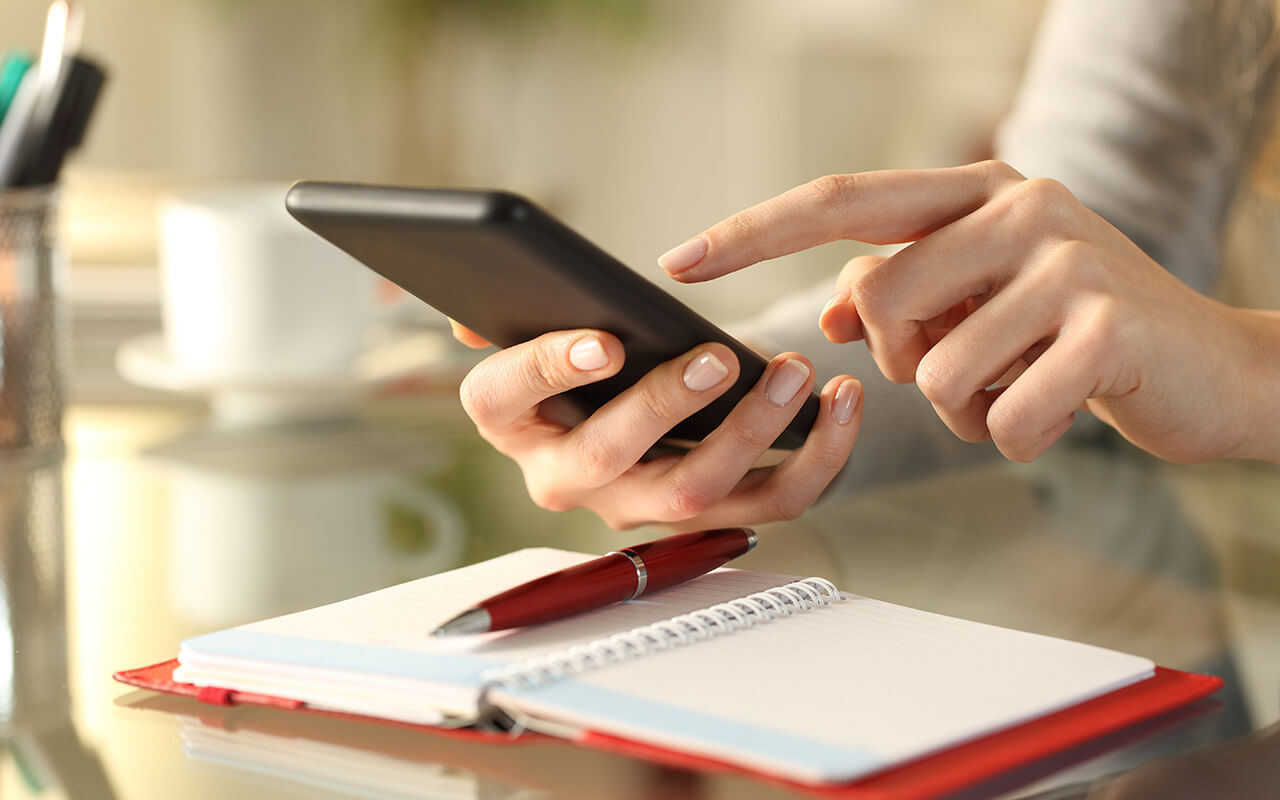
(250, 295)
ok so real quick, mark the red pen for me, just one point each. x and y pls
(620, 575)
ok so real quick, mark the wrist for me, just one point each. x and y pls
(1260, 407)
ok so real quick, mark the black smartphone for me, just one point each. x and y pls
(508, 270)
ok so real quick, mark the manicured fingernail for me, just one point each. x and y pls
(703, 372)
(678, 259)
(588, 354)
(845, 401)
(838, 299)
(785, 381)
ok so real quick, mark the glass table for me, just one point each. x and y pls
(156, 526)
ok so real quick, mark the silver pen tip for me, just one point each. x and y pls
(751, 539)
(473, 620)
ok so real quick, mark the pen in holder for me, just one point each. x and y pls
(31, 269)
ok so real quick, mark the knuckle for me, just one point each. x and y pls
(1000, 171)
(892, 368)
(1047, 193)
(1048, 190)
(888, 359)
(1106, 319)
(742, 227)
(685, 499)
(1020, 452)
(616, 520)
(833, 192)
(596, 458)
(547, 497)
(1104, 330)
(750, 438)
(787, 505)
(1045, 204)
(936, 382)
(831, 457)
(663, 406)
(1075, 265)
(882, 308)
(543, 371)
(826, 456)
(856, 267)
(971, 428)
(505, 445)
(869, 299)
(477, 398)
(890, 345)
(1009, 430)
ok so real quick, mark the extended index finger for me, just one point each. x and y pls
(886, 207)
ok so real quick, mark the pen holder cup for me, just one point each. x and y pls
(31, 327)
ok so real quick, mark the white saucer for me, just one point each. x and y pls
(146, 361)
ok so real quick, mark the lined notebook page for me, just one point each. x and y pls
(838, 691)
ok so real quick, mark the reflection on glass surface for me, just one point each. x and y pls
(345, 757)
(192, 529)
(1247, 767)
(43, 745)
(271, 520)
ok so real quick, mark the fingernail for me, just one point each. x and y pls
(703, 372)
(785, 381)
(678, 259)
(838, 299)
(845, 401)
(588, 354)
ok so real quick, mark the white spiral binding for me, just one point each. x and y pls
(696, 626)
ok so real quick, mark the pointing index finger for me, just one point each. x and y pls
(886, 207)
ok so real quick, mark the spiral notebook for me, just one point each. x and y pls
(761, 672)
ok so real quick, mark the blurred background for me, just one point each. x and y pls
(638, 122)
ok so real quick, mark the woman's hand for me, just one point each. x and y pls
(1014, 306)
(600, 463)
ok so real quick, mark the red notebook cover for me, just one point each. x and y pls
(929, 776)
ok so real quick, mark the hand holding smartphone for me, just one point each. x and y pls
(504, 268)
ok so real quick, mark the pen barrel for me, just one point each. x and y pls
(679, 558)
(588, 586)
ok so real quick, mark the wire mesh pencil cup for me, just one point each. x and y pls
(31, 346)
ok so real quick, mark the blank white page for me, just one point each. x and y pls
(838, 691)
